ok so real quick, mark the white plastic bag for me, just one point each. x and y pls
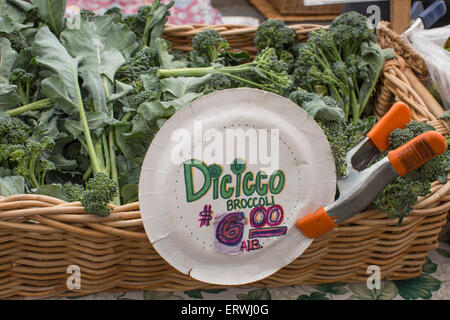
(429, 44)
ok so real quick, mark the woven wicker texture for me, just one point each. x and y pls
(40, 237)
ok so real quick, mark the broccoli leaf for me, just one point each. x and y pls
(178, 87)
(12, 185)
(52, 12)
(102, 45)
(371, 64)
(8, 96)
(63, 86)
(166, 60)
(52, 190)
(12, 17)
(319, 110)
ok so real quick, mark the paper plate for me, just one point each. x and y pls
(225, 180)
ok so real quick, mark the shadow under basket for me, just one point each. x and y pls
(42, 237)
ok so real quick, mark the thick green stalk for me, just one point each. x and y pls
(112, 156)
(198, 72)
(38, 105)
(34, 181)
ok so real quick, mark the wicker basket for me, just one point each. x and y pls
(297, 7)
(40, 237)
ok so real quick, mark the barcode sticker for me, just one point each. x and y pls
(416, 154)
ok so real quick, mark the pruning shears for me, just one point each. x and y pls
(366, 177)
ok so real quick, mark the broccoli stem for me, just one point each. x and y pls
(88, 173)
(112, 156)
(34, 181)
(198, 72)
(89, 143)
(38, 105)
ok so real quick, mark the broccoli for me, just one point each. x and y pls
(342, 137)
(265, 72)
(73, 192)
(398, 198)
(207, 46)
(274, 34)
(146, 95)
(343, 62)
(143, 62)
(149, 21)
(349, 31)
(318, 106)
(218, 81)
(17, 40)
(100, 191)
(24, 82)
(24, 152)
(13, 131)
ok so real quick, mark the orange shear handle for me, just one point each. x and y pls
(397, 117)
(417, 152)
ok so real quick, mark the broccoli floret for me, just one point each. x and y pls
(73, 192)
(13, 131)
(342, 137)
(218, 81)
(207, 46)
(265, 72)
(399, 137)
(100, 191)
(336, 62)
(274, 34)
(147, 20)
(24, 152)
(17, 40)
(146, 95)
(24, 82)
(349, 30)
(144, 61)
(398, 198)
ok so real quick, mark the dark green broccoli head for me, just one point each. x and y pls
(301, 96)
(21, 77)
(100, 191)
(274, 34)
(17, 40)
(73, 192)
(349, 30)
(146, 96)
(217, 81)
(399, 137)
(145, 61)
(398, 198)
(207, 45)
(13, 131)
